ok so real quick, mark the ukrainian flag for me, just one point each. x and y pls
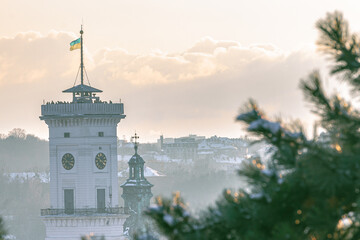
(76, 44)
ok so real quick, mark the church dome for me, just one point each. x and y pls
(136, 159)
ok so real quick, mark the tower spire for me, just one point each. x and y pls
(82, 61)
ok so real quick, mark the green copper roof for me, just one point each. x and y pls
(136, 159)
(82, 88)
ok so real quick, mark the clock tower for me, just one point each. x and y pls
(83, 164)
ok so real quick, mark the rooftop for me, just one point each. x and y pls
(81, 109)
(82, 88)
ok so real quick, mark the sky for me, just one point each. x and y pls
(179, 67)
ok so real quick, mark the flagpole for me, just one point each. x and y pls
(82, 62)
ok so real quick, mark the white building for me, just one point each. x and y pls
(83, 166)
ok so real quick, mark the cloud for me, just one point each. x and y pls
(208, 45)
(206, 58)
(157, 67)
(195, 91)
(31, 57)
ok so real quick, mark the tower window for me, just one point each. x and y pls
(66, 135)
(101, 134)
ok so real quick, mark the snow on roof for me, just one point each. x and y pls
(205, 153)
(148, 172)
(10, 237)
(217, 145)
(165, 158)
(227, 159)
(203, 146)
(22, 176)
(228, 147)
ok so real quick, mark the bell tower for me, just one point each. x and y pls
(83, 164)
(136, 190)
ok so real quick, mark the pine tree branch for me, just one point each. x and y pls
(288, 143)
(336, 41)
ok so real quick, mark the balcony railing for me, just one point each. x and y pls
(81, 108)
(83, 211)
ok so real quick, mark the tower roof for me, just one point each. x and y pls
(136, 159)
(82, 88)
(136, 169)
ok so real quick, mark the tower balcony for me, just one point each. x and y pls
(53, 110)
(52, 212)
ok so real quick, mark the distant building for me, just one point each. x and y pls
(170, 154)
(182, 148)
(196, 137)
(161, 141)
(198, 147)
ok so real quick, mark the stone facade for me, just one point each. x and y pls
(83, 170)
(83, 143)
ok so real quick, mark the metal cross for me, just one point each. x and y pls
(135, 143)
(136, 137)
